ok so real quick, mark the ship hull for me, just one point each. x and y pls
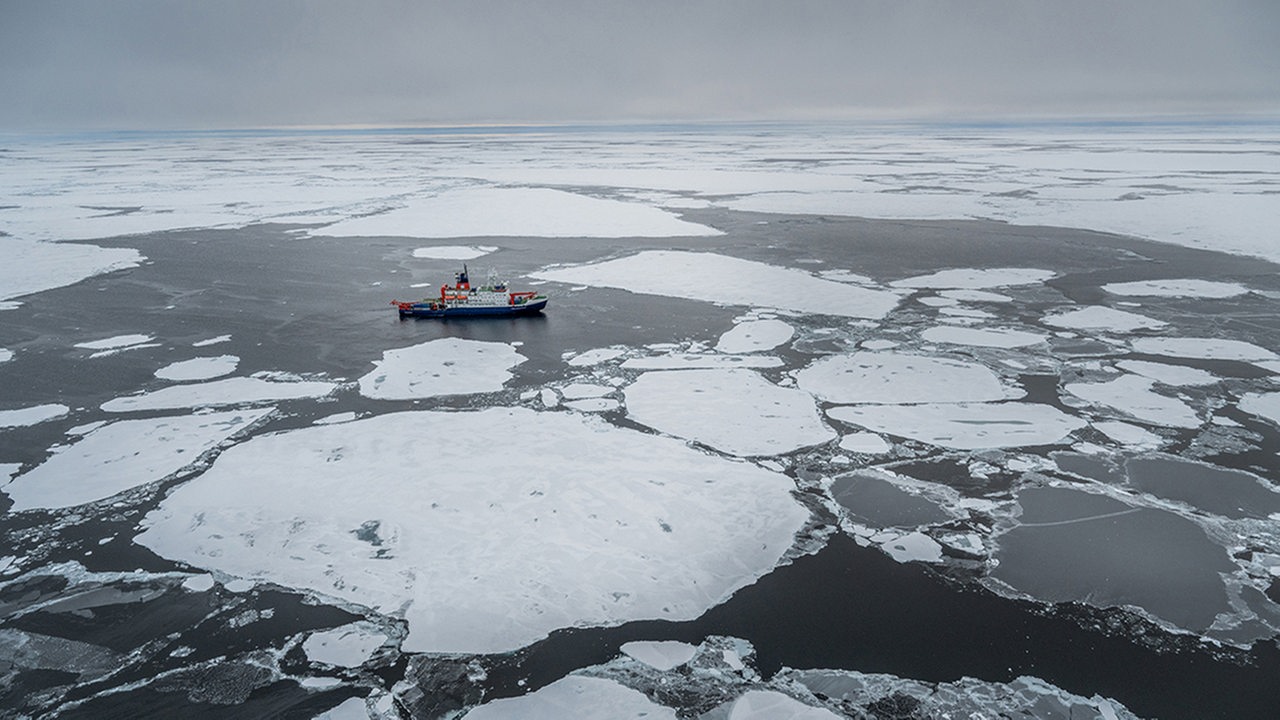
(424, 310)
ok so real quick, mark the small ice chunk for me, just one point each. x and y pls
(755, 336)
(549, 398)
(982, 337)
(33, 415)
(240, 585)
(577, 697)
(1103, 318)
(913, 547)
(335, 418)
(199, 583)
(211, 341)
(877, 344)
(205, 368)
(453, 252)
(349, 646)
(866, 443)
(447, 366)
(5, 355)
(976, 279)
(1181, 287)
(115, 342)
(976, 296)
(352, 708)
(660, 654)
(595, 357)
(687, 361)
(938, 302)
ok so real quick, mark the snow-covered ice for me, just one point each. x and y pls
(976, 278)
(1098, 317)
(689, 361)
(660, 654)
(447, 366)
(735, 411)
(1131, 437)
(1134, 395)
(1165, 374)
(773, 705)
(1203, 348)
(231, 391)
(891, 377)
(347, 646)
(913, 547)
(397, 513)
(123, 455)
(1178, 288)
(755, 336)
(116, 342)
(29, 266)
(577, 697)
(982, 337)
(965, 426)
(595, 356)
(203, 368)
(866, 443)
(729, 281)
(21, 417)
(5, 355)
(1264, 405)
(453, 252)
(211, 341)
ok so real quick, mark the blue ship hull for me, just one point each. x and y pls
(425, 310)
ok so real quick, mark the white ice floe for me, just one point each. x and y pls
(211, 341)
(965, 426)
(755, 336)
(913, 547)
(116, 342)
(1173, 375)
(5, 355)
(976, 278)
(353, 708)
(34, 415)
(688, 361)
(773, 705)
(890, 377)
(199, 583)
(1264, 405)
(413, 514)
(1203, 348)
(595, 357)
(204, 368)
(729, 281)
(982, 337)
(578, 391)
(335, 418)
(124, 455)
(231, 391)
(592, 405)
(454, 252)
(575, 697)
(1131, 437)
(517, 211)
(1098, 317)
(28, 266)
(866, 443)
(735, 411)
(348, 646)
(1180, 287)
(447, 366)
(1133, 395)
(976, 296)
(660, 654)
(877, 344)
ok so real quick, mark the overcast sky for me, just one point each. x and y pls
(136, 64)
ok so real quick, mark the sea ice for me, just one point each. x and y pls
(965, 426)
(124, 455)
(1098, 317)
(211, 341)
(453, 252)
(595, 357)
(976, 279)
(28, 266)
(976, 296)
(1181, 287)
(890, 377)
(1172, 375)
(1131, 437)
(866, 443)
(5, 355)
(660, 654)
(755, 336)
(231, 391)
(353, 708)
(728, 280)
(1203, 348)
(517, 211)
(204, 368)
(578, 391)
(913, 547)
(592, 405)
(447, 366)
(982, 337)
(413, 514)
(577, 697)
(1264, 405)
(22, 417)
(1133, 395)
(735, 411)
(689, 361)
(348, 646)
(773, 705)
(116, 342)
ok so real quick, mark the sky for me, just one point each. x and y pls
(188, 64)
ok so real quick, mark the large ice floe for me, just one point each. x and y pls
(448, 366)
(32, 415)
(123, 455)
(965, 425)
(231, 391)
(729, 281)
(1135, 396)
(1177, 288)
(1098, 317)
(976, 278)
(29, 266)
(899, 378)
(412, 514)
(735, 411)
(982, 337)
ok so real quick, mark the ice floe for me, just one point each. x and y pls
(595, 356)
(447, 366)
(687, 361)
(773, 705)
(975, 296)
(660, 654)
(123, 455)
(231, 391)
(755, 336)
(1098, 317)
(33, 415)
(1203, 348)
(205, 368)
(453, 252)
(347, 646)
(1165, 374)
(412, 513)
(1180, 288)
(976, 278)
(965, 426)
(865, 443)
(578, 697)
(116, 342)
(211, 341)
(729, 281)
(912, 547)
(516, 211)
(28, 266)
(891, 377)
(735, 411)
(982, 337)
(5, 355)
(1133, 395)
(1131, 437)
(1264, 405)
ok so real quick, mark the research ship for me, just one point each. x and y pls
(493, 299)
